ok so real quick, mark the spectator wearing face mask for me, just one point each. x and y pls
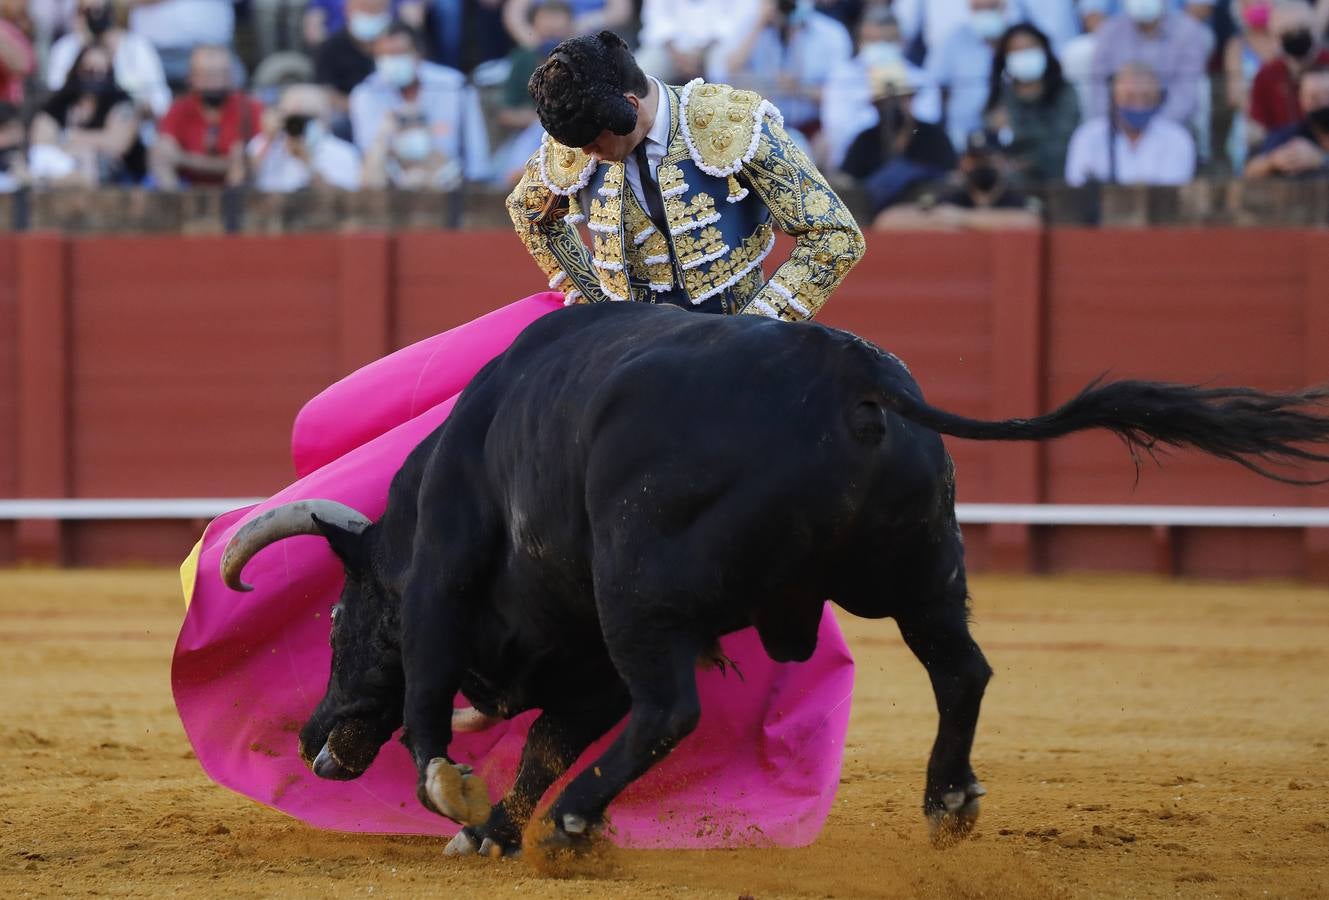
(1170, 43)
(1030, 103)
(1253, 45)
(786, 52)
(138, 68)
(846, 104)
(896, 157)
(984, 198)
(1138, 144)
(959, 69)
(176, 27)
(1301, 150)
(16, 60)
(94, 123)
(418, 109)
(202, 138)
(13, 153)
(297, 149)
(677, 36)
(1274, 93)
(346, 58)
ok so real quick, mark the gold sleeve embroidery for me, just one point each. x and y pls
(828, 241)
(539, 215)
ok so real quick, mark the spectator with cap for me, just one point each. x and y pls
(1274, 93)
(785, 52)
(93, 120)
(959, 69)
(202, 138)
(678, 36)
(984, 198)
(138, 68)
(1172, 44)
(846, 104)
(1030, 103)
(297, 148)
(419, 109)
(16, 59)
(1138, 144)
(13, 149)
(897, 157)
(1301, 150)
(176, 27)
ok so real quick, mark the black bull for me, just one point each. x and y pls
(627, 483)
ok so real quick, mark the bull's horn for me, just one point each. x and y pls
(287, 520)
(468, 719)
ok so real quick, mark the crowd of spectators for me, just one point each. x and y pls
(937, 109)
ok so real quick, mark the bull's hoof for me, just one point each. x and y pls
(455, 793)
(952, 819)
(566, 847)
(479, 842)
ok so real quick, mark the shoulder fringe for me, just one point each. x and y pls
(583, 179)
(765, 110)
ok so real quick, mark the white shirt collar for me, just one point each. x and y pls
(660, 128)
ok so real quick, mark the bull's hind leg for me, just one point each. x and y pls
(659, 666)
(552, 745)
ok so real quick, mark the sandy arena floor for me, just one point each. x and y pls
(1140, 739)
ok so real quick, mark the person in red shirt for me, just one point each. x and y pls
(1274, 103)
(16, 57)
(201, 140)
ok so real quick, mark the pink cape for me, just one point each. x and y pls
(761, 768)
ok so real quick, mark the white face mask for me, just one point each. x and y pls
(412, 145)
(987, 23)
(881, 53)
(397, 69)
(1028, 64)
(1144, 11)
(364, 27)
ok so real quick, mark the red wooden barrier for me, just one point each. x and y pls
(159, 367)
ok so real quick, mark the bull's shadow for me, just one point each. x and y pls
(626, 484)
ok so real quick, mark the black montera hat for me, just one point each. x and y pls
(578, 90)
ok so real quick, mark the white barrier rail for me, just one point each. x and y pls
(968, 513)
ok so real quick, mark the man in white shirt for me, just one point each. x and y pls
(1136, 146)
(959, 71)
(449, 108)
(677, 36)
(297, 150)
(176, 27)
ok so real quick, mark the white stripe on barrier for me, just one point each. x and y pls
(968, 513)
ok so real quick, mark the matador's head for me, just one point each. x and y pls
(587, 94)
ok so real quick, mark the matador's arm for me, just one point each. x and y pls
(828, 242)
(540, 216)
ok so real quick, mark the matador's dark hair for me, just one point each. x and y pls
(578, 91)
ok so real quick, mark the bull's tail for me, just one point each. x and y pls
(1244, 425)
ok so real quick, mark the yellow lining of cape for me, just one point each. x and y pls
(189, 572)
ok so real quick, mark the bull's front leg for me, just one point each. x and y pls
(552, 746)
(434, 656)
(939, 636)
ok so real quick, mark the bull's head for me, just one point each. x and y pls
(362, 705)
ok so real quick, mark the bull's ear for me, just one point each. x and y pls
(351, 547)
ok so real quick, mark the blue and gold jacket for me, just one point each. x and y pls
(728, 174)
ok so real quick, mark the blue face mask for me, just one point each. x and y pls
(1136, 118)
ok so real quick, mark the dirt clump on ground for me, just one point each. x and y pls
(1140, 739)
